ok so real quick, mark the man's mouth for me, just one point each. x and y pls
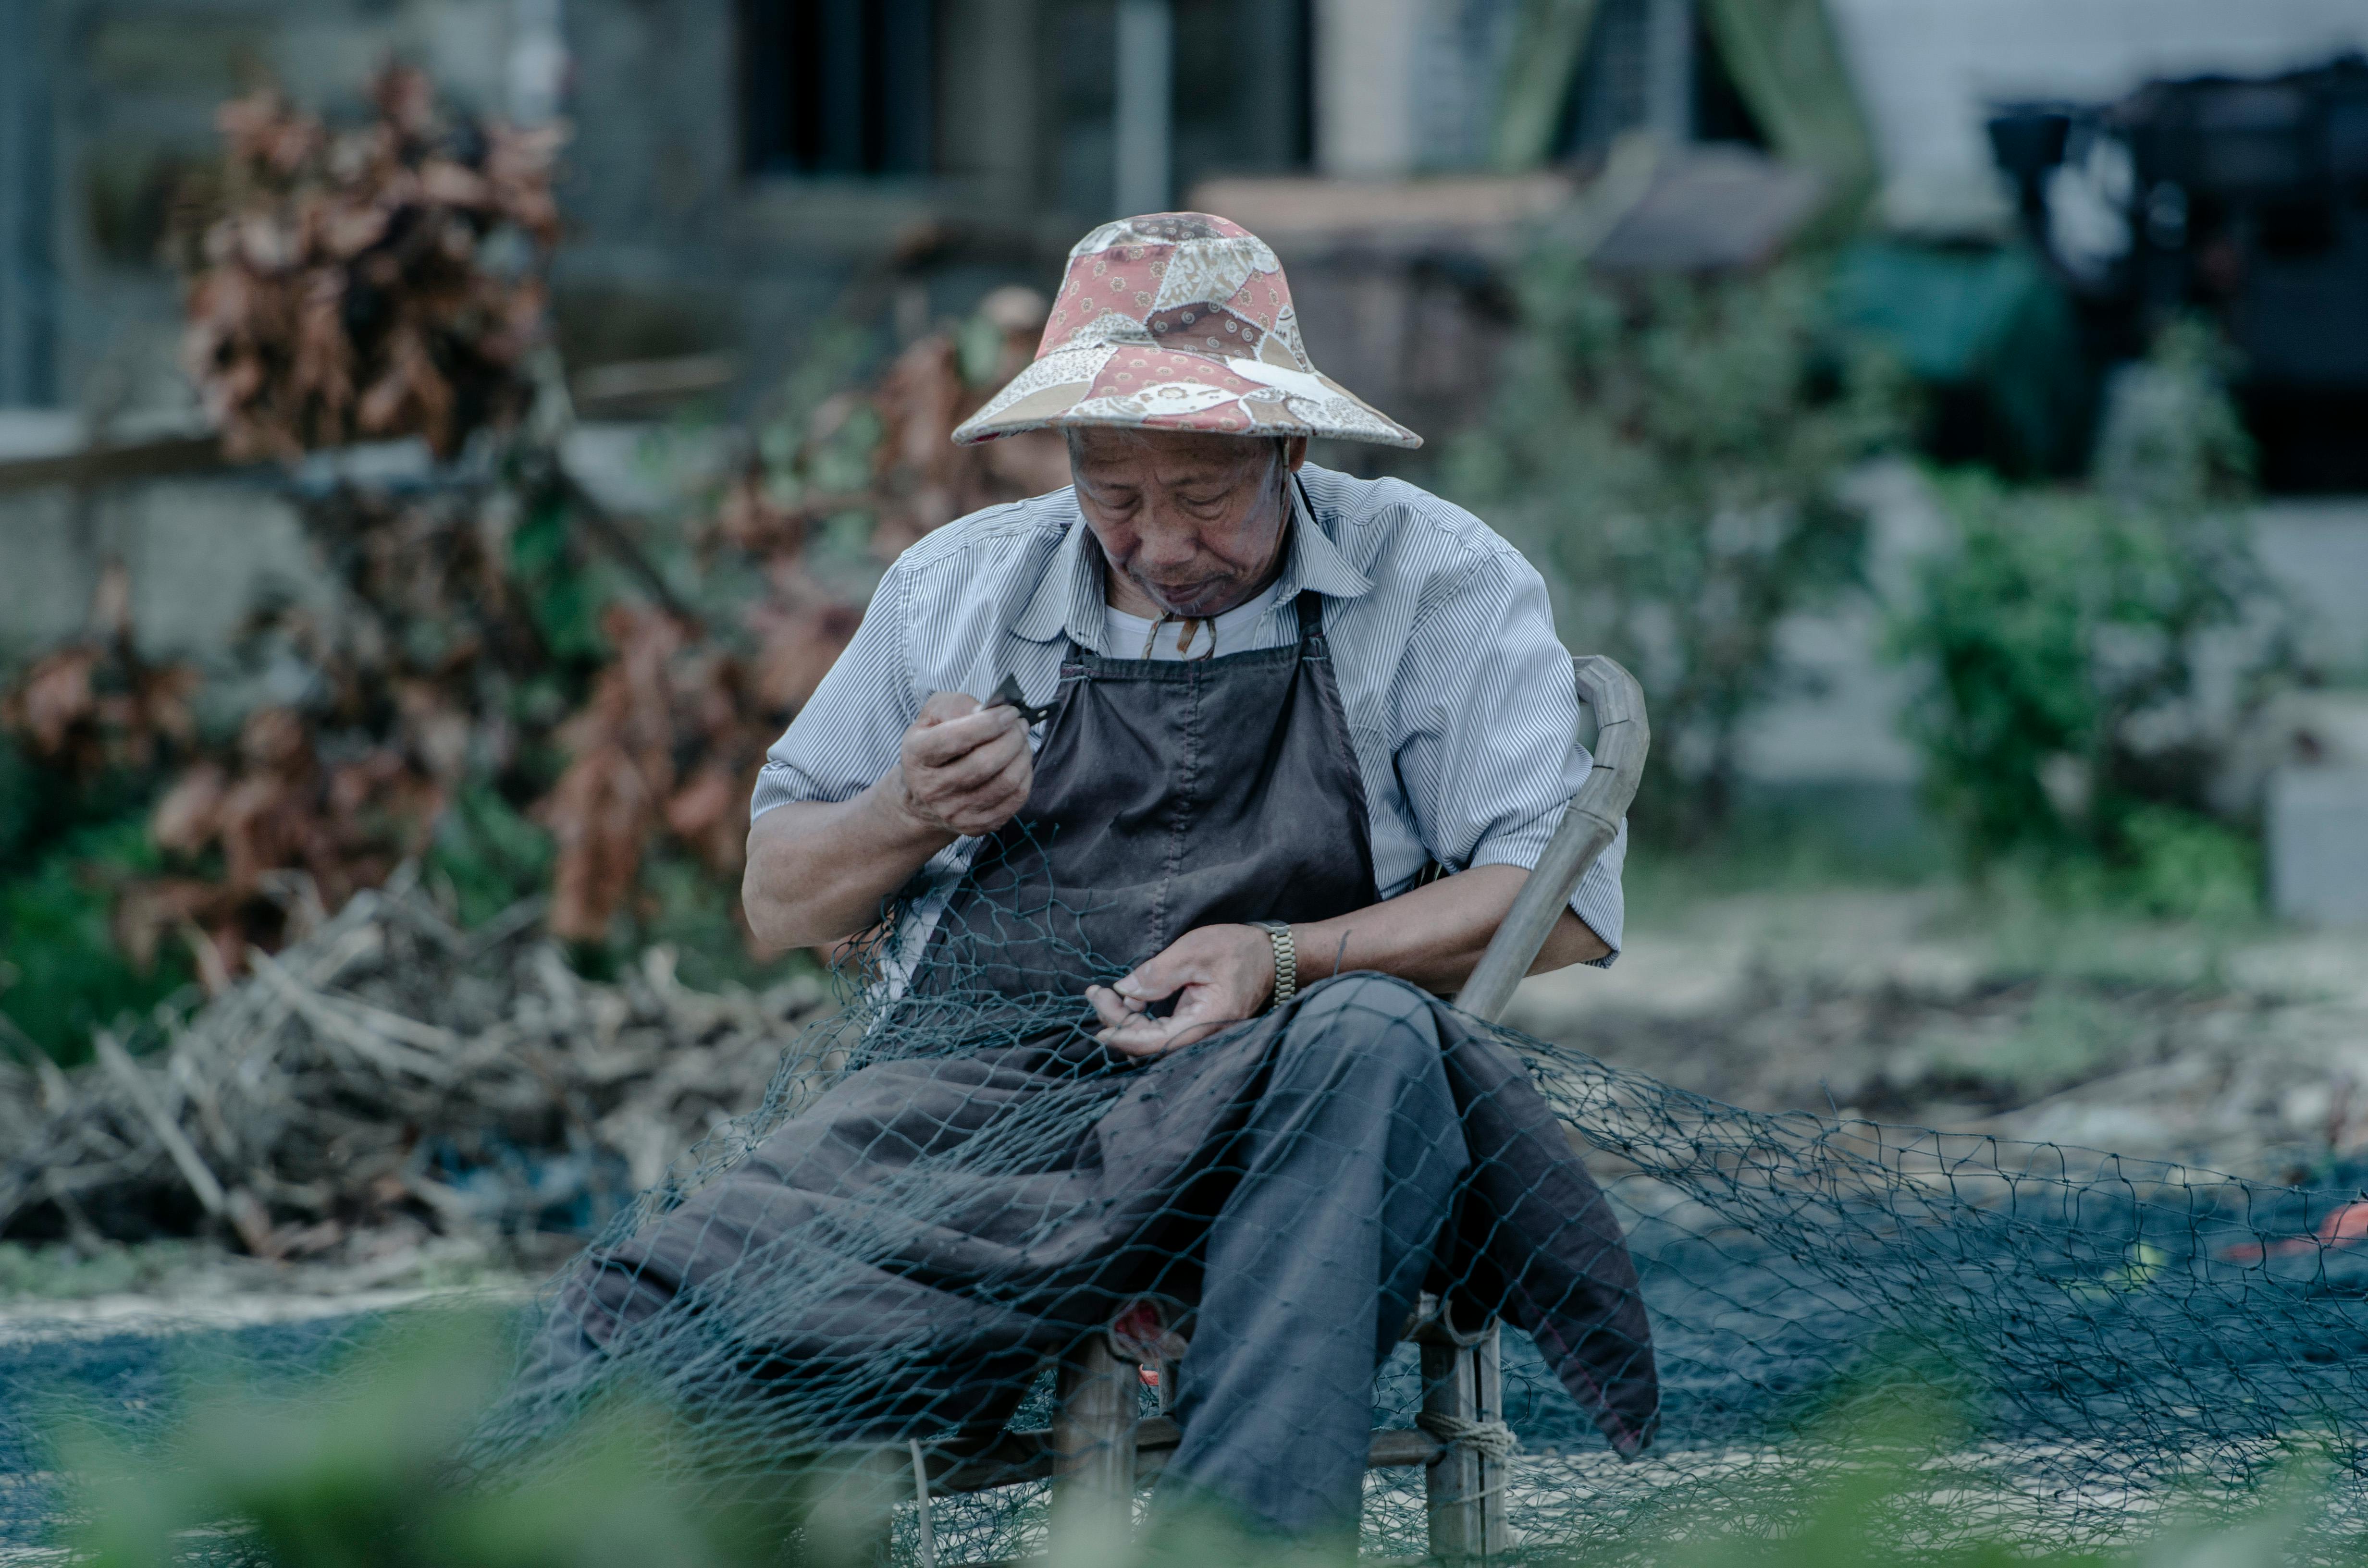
(1184, 598)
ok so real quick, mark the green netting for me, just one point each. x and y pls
(935, 1204)
(2110, 1336)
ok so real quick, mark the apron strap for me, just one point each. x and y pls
(1309, 604)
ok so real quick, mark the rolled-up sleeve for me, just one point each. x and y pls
(848, 732)
(1487, 716)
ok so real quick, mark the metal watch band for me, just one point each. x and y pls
(1286, 958)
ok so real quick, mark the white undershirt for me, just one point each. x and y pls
(1238, 630)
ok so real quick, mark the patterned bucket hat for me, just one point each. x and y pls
(1178, 321)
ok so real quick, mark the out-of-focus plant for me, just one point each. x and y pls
(665, 750)
(2066, 637)
(358, 1470)
(512, 687)
(88, 733)
(381, 281)
(352, 1466)
(1672, 455)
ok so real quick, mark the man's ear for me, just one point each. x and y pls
(1294, 452)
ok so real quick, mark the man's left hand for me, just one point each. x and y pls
(1218, 975)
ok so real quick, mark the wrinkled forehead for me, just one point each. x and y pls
(1104, 456)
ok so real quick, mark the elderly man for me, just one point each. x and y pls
(1186, 791)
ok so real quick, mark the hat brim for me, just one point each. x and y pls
(1136, 386)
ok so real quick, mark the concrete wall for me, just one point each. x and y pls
(672, 248)
(203, 552)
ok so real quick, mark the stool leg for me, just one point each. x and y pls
(1466, 1490)
(1093, 1456)
(1449, 1388)
(1488, 1381)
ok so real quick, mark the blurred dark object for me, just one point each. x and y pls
(2026, 142)
(2243, 199)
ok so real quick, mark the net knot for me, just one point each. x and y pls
(1490, 1439)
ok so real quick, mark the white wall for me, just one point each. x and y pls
(1364, 86)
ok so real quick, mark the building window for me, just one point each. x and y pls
(1653, 65)
(836, 86)
(1243, 95)
(29, 284)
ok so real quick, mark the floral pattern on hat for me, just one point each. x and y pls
(1178, 321)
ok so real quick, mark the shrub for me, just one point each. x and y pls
(2090, 656)
(1670, 457)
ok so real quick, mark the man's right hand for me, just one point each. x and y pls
(820, 870)
(962, 770)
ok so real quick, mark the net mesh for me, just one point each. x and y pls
(950, 1186)
(893, 1251)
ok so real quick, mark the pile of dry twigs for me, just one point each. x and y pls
(391, 1071)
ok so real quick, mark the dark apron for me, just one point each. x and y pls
(1169, 794)
(901, 1254)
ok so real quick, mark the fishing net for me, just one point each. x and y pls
(841, 1298)
(934, 1209)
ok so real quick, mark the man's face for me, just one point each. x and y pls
(1194, 522)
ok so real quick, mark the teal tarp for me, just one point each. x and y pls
(1992, 332)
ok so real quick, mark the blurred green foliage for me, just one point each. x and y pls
(487, 855)
(63, 974)
(354, 1466)
(2064, 637)
(356, 1470)
(68, 838)
(1671, 455)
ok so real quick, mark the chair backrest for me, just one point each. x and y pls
(1623, 736)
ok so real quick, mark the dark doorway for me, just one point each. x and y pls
(836, 86)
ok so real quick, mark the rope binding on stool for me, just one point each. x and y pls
(1490, 1439)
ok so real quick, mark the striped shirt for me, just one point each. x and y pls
(1460, 701)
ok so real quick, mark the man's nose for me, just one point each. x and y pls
(1166, 539)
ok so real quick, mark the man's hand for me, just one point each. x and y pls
(819, 872)
(1218, 975)
(962, 769)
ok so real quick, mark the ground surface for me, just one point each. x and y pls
(2244, 1051)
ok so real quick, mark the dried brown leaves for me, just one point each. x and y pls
(922, 479)
(94, 705)
(353, 284)
(671, 740)
(276, 808)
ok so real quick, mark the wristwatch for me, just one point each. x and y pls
(1286, 958)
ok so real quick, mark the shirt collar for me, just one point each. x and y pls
(1068, 598)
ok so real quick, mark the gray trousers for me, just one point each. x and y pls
(1349, 1165)
(1326, 1197)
